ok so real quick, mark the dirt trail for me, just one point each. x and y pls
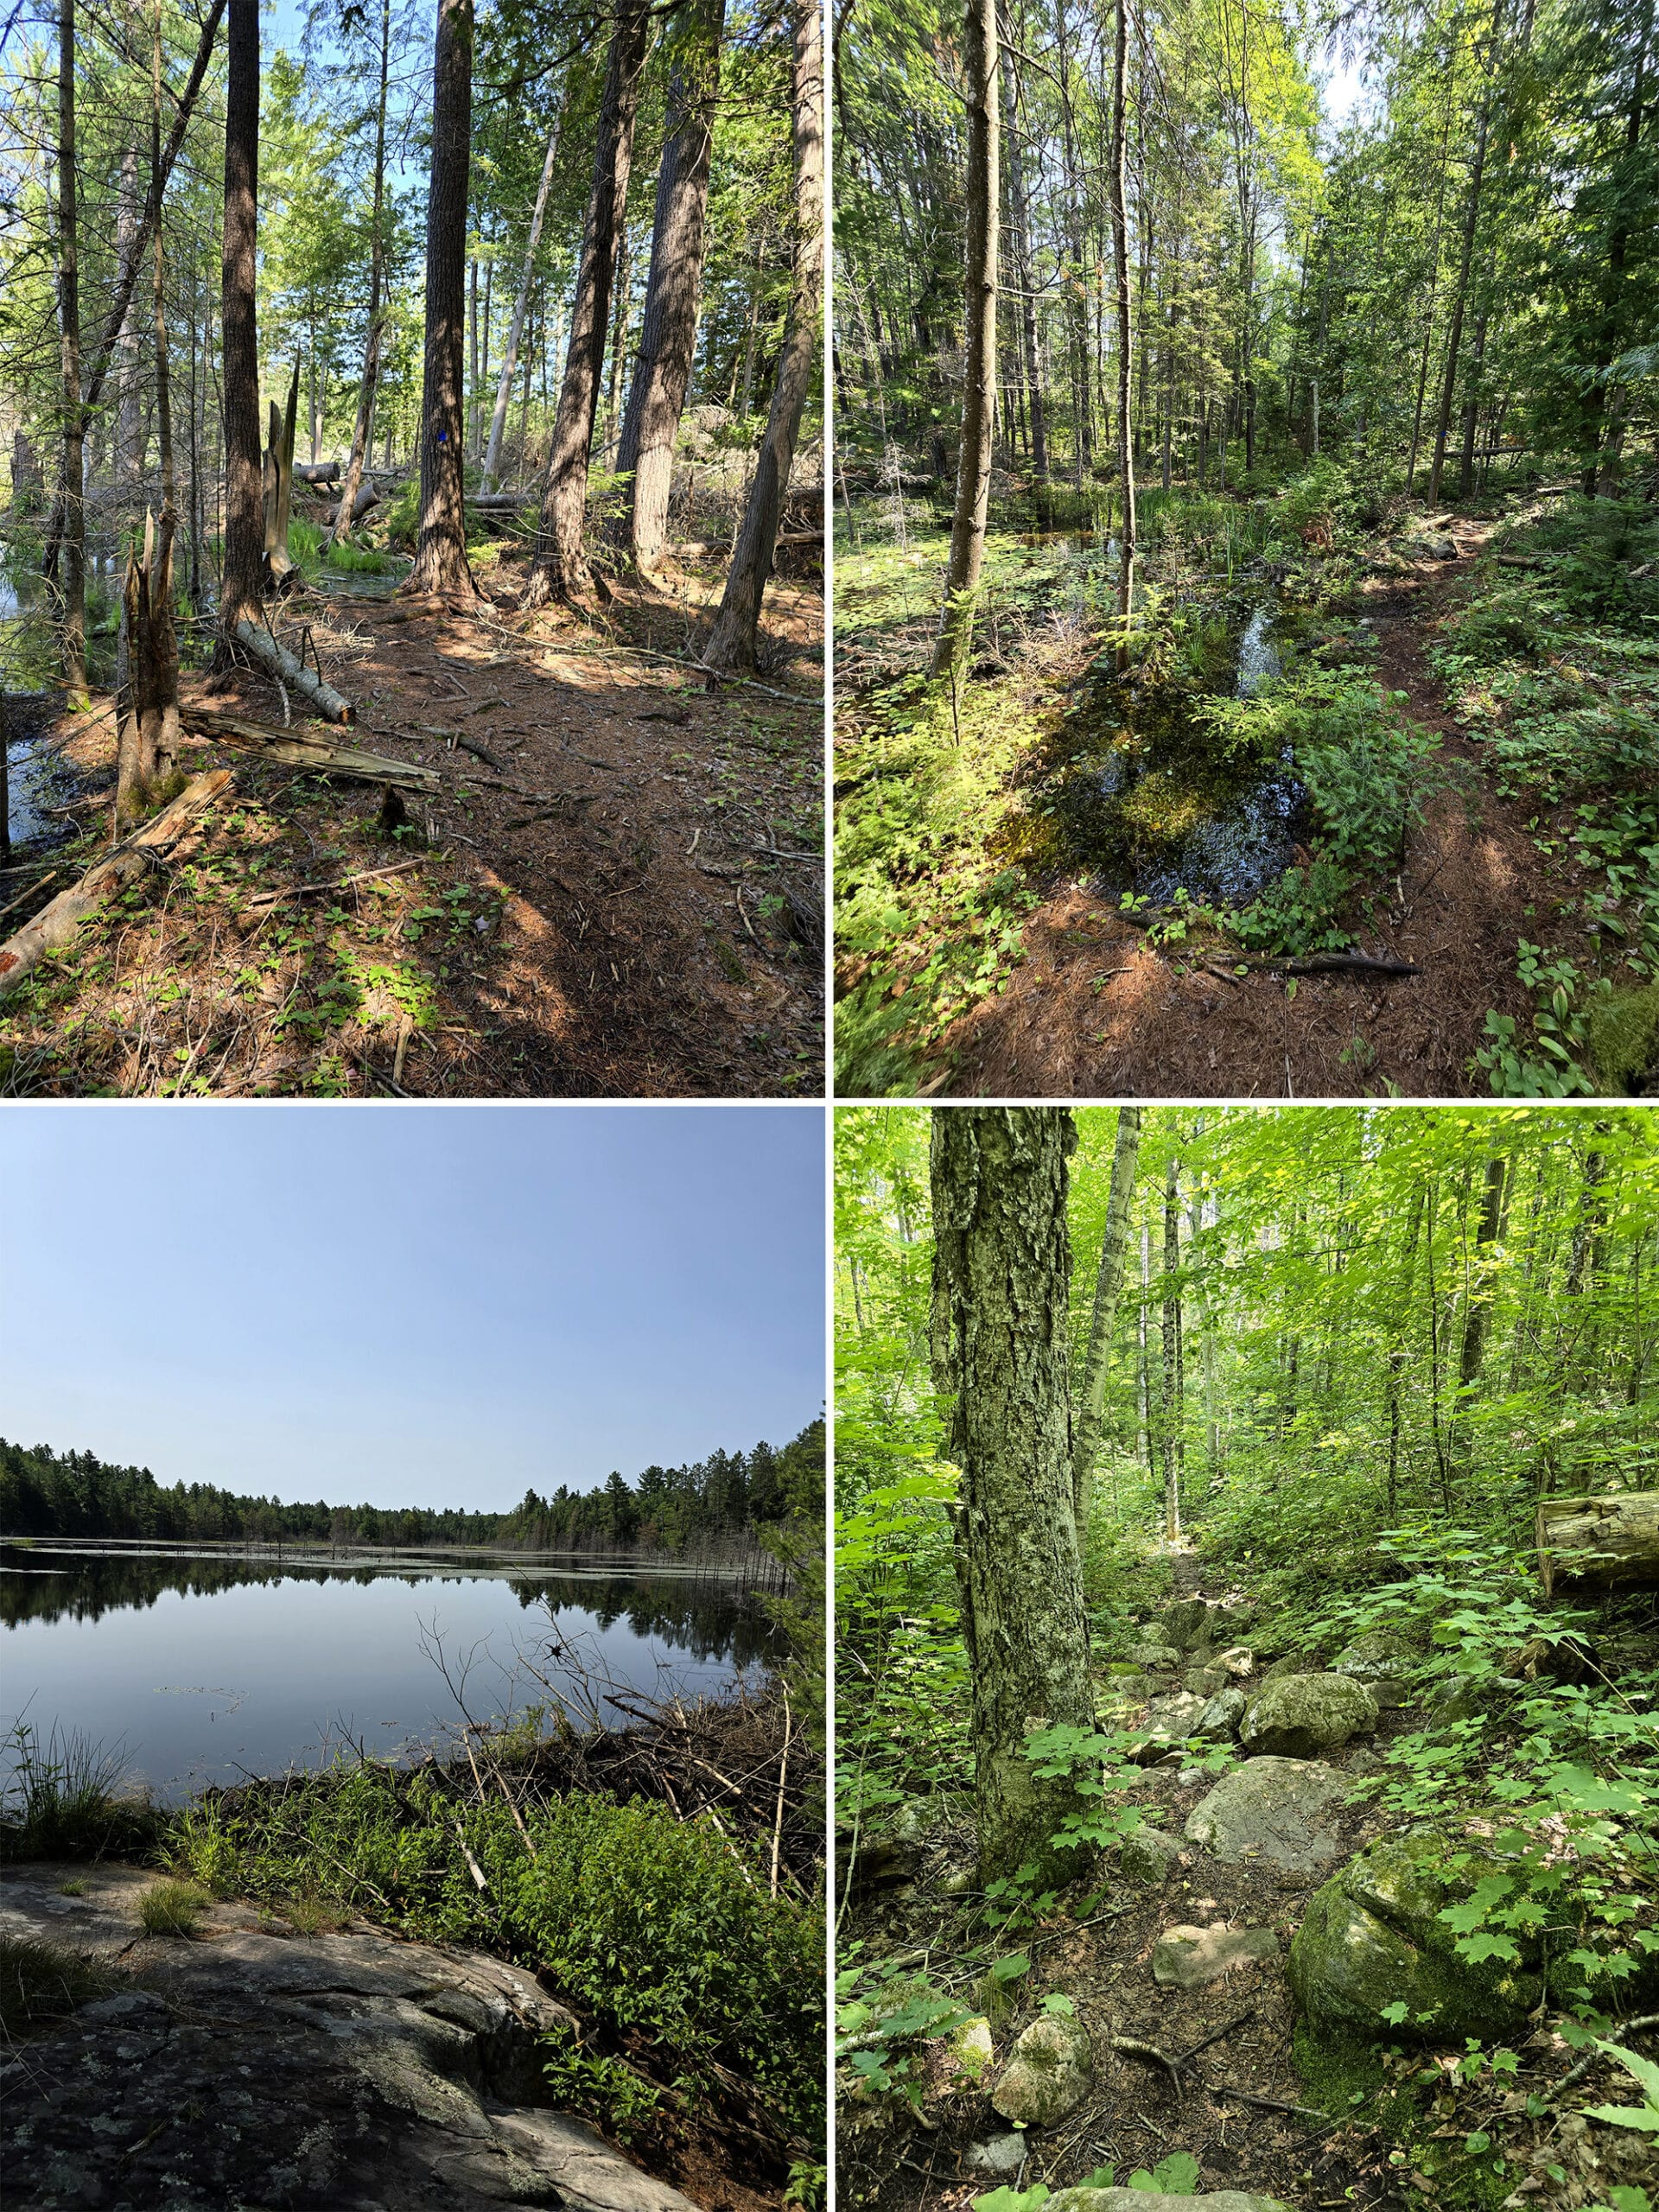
(624, 897)
(1093, 1011)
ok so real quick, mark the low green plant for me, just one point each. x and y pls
(63, 1799)
(1645, 2117)
(41, 1982)
(172, 1909)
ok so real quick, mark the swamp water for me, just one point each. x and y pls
(210, 1666)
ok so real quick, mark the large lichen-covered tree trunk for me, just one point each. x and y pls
(1001, 1272)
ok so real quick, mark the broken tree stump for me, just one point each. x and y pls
(277, 660)
(146, 711)
(277, 469)
(57, 924)
(1607, 1542)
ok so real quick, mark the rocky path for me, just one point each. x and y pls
(247, 2065)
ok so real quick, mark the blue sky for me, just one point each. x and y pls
(421, 1306)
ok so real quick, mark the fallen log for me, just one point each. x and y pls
(298, 749)
(277, 660)
(1609, 1542)
(1330, 963)
(317, 472)
(367, 497)
(57, 924)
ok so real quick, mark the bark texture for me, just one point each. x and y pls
(1108, 1284)
(74, 435)
(981, 54)
(148, 708)
(1001, 1270)
(668, 332)
(732, 642)
(244, 522)
(560, 570)
(440, 547)
(1604, 1541)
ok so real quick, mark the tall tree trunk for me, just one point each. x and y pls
(516, 329)
(560, 571)
(668, 335)
(441, 548)
(1108, 1284)
(1597, 465)
(982, 67)
(1470, 223)
(245, 515)
(1428, 312)
(1031, 359)
(129, 414)
(731, 643)
(1478, 1311)
(73, 459)
(363, 427)
(1143, 1363)
(1001, 1271)
(1125, 359)
(560, 566)
(1396, 1358)
(1173, 1423)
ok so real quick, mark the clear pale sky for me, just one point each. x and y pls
(419, 1306)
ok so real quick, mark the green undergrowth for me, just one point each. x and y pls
(1553, 670)
(662, 1933)
(64, 1798)
(42, 1983)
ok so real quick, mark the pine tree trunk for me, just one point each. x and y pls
(668, 333)
(440, 547)
(362, 428)
(1172, 1421)
(1454, 338)
(1478, 1310)
(982, 65)
(1125, 359)
(732, 642)
(1001, 1271)
(515, 330)
(560, 570)
(1032, 361)
(244, 526)
(129, 436)
(1108, 1284)
(74, 459)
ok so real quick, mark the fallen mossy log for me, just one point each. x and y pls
(1609, 1542)
(277, 660)
(1328, 963)
(296, 747)
(56, 925)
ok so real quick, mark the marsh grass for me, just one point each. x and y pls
(173, 1908)
(41, 1982)
(64, 1800)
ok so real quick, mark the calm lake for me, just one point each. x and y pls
(209, 1667)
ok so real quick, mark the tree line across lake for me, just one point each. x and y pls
(48, 1493)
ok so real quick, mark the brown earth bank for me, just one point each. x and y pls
(1261, 2102)
(1093, 1010)
(616, 889)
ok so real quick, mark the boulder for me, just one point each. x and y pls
(1003, 2154)
(1273, 1809)
(254, 2065)
(1301, 1715)
(1223, 1714)
(1149, 1855)
(1048, 2072)
(1383, 1654)
(1186, 1621)
(1170, 1721)
(970, 2048)
(1204, 1682)
(1191, 1958)
(1372, 1937)
(1238, 1661)
(1156, 1658)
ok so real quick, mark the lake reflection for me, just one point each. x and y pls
(211, 1666)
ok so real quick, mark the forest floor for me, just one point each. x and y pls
(1076, 997)
(615, 892)
(1269, 2108)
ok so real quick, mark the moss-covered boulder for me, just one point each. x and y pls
(1372, 1938)
(1048, 2072)
(1300, 1716)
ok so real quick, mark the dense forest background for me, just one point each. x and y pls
(672, 1509)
